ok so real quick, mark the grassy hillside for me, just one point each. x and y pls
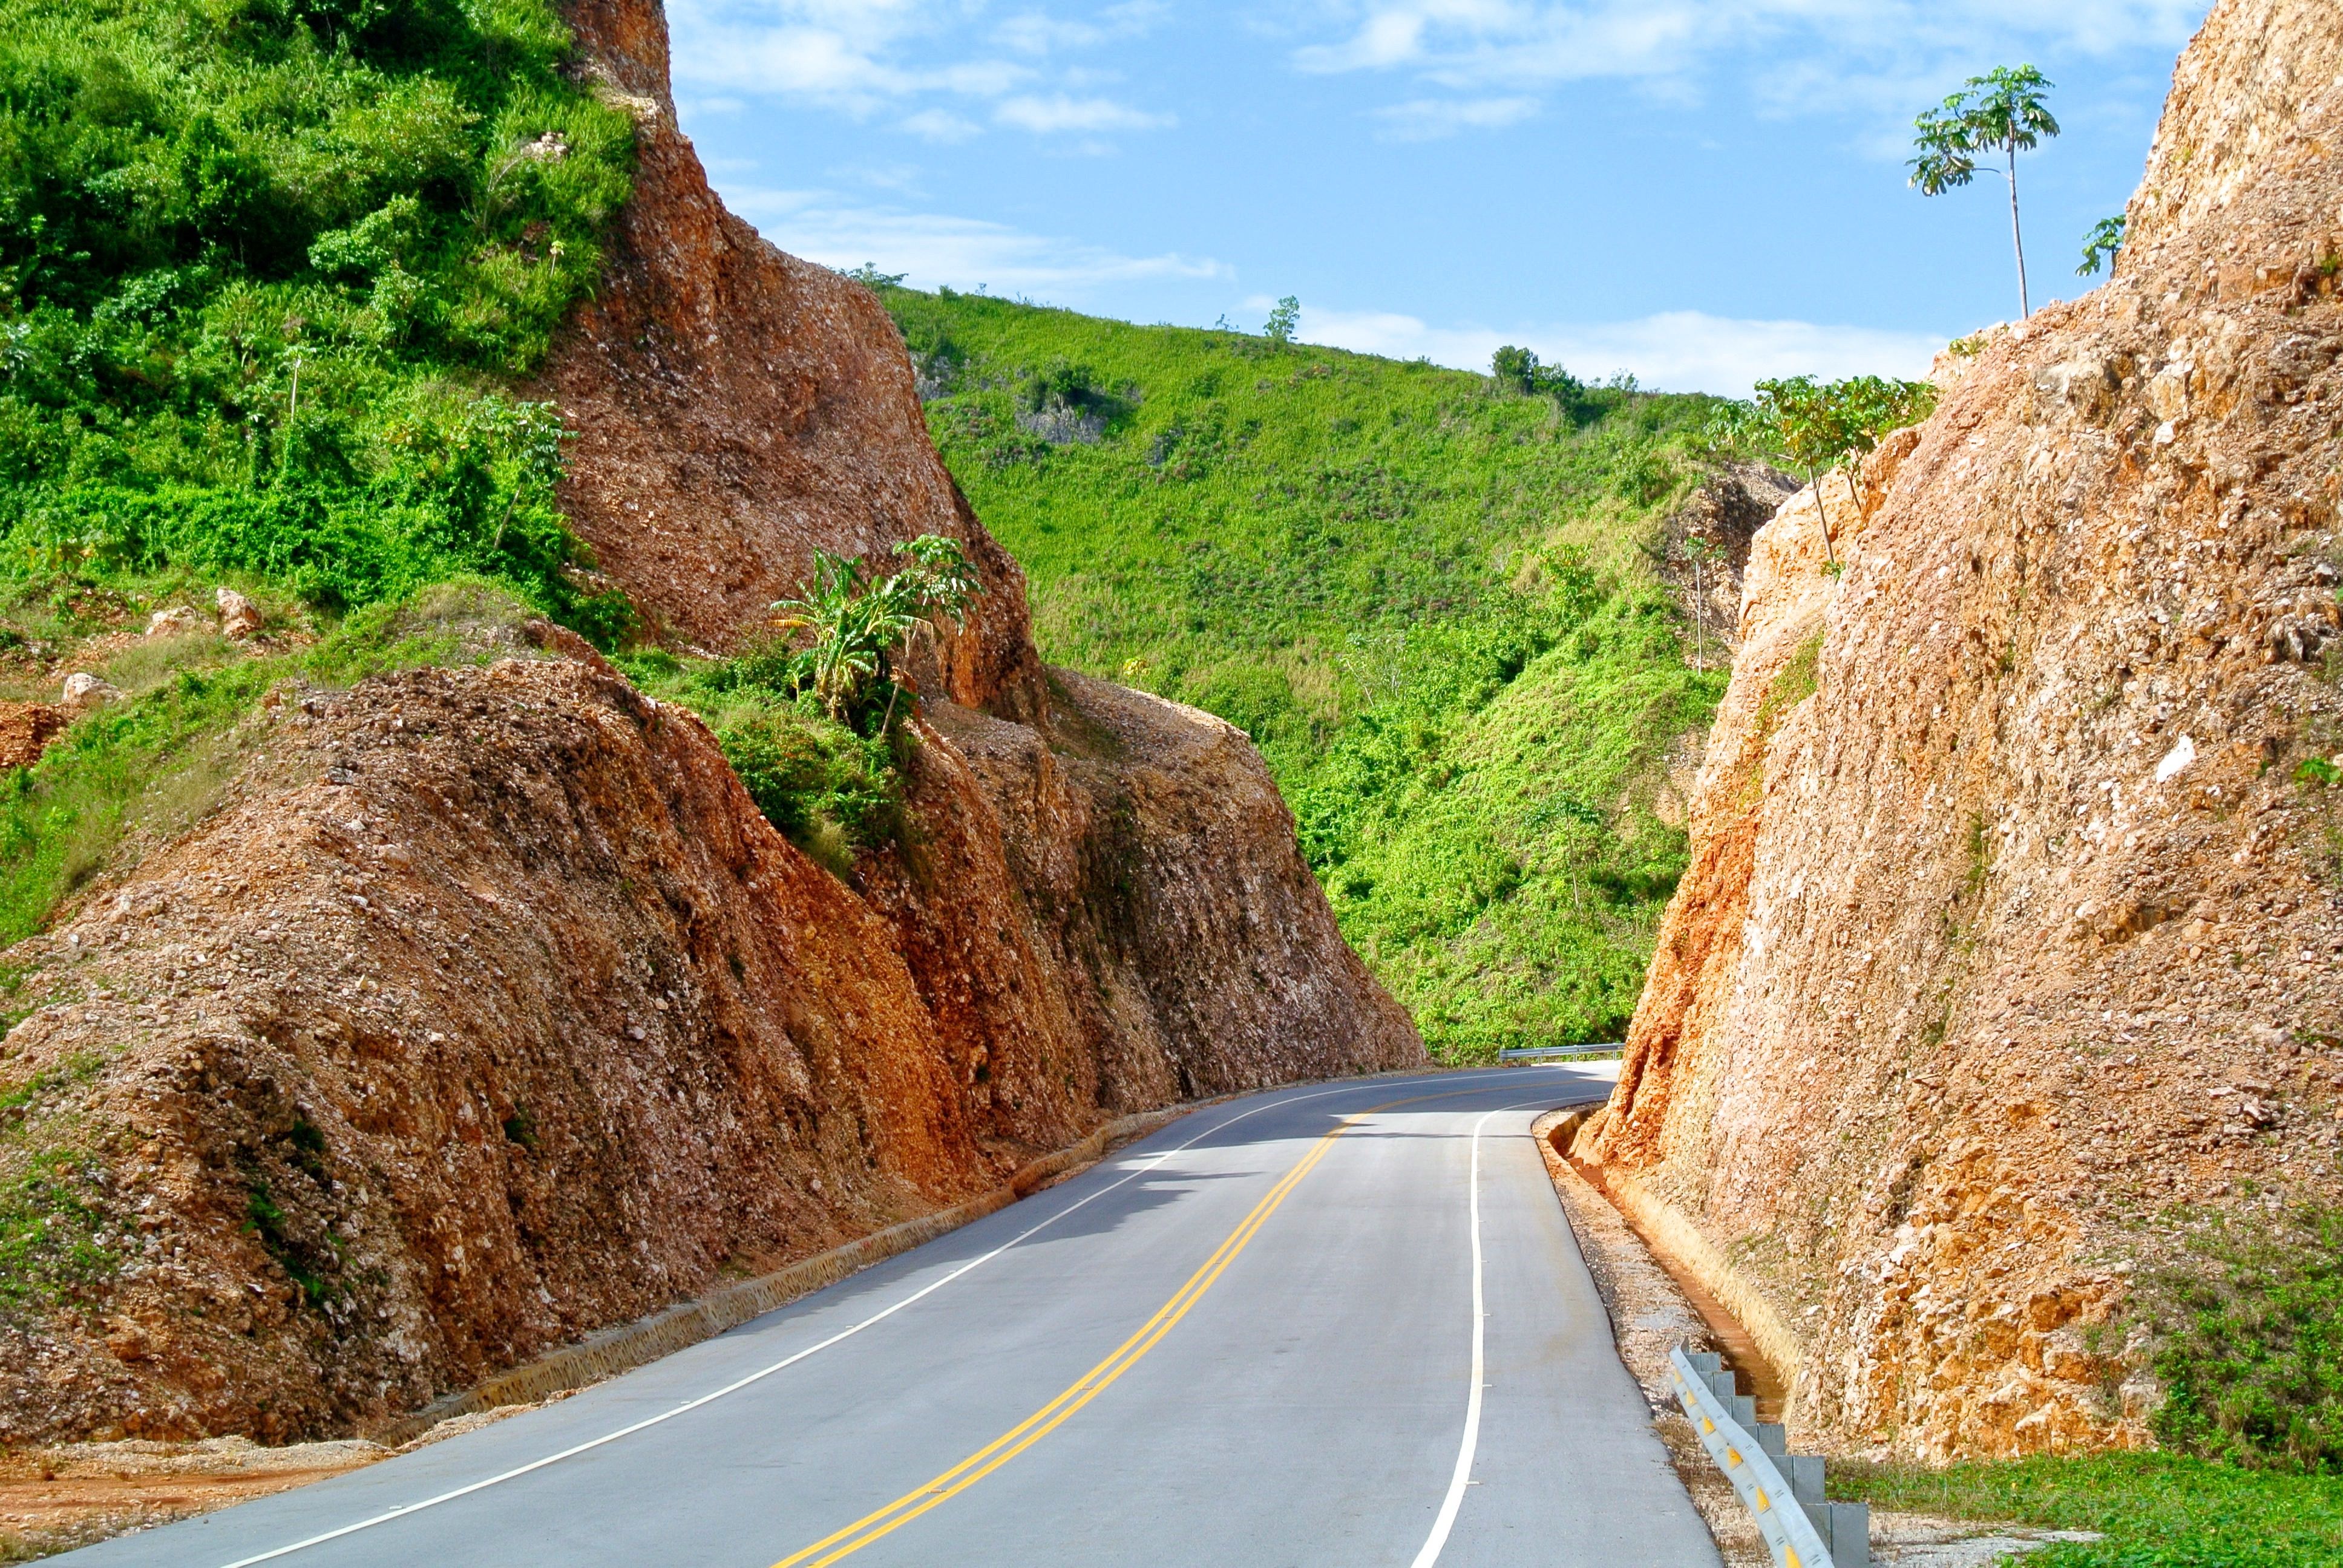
(1429, 598)
(268, 270)
(264, 265)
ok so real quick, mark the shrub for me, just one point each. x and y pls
(1064, 386)
(855, 622)
(260, 268)
(2253, 1359)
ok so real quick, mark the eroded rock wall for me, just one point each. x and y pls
(486, 1010)
(2011, 925)
(483, 1010)
(737, 407)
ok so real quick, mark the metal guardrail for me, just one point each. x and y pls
(1548, 1052)
(1801, 1529)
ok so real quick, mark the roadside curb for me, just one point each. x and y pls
(630, 1345)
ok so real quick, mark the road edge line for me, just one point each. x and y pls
(627, 1346)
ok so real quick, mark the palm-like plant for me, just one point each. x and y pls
(2002, 111)
(857, 626)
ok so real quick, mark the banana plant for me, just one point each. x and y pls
(856, 626)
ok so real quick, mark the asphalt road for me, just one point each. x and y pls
(1340, 1323)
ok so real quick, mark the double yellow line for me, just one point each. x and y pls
(871, 1527)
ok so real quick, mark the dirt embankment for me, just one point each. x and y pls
(2012, 922)
(485, 1010)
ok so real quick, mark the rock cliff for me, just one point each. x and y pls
(2013, 925)
(483, 1009)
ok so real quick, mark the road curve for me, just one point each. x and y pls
(1248, 1341)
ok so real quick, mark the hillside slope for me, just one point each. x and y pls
(1442, 607)
(1992, 1041)
(411, 993)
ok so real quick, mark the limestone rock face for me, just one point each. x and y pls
(483, 1010)
(2012, 920)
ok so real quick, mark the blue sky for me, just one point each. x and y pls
(1700, 191)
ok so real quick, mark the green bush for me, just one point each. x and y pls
(263, 265)
(829, 789)
(2252, 1360)
(824, 787)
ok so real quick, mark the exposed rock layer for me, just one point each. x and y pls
(737, 407)
(2010, 924)
(484, 1009)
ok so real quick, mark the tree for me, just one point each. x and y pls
(1283, 320)
(857, 626)
(1699, 552)
(1820, 427)
(2101, 244)
(1518, 370)
(2003, 112)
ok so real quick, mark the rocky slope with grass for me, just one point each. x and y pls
(1451, 609)
(411, 1001)
(1992, 1052)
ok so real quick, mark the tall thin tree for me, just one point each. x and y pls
(2002, 111)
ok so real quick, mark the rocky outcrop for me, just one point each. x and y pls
(1704, 547)
(738, 409)
(483, 1010)
(2013, 923)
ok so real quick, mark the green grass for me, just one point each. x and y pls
(2155, 1510)
(2250, 1347)
(1430, 599)
(51, 1214)
(156, 763)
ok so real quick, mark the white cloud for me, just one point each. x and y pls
(1058, 112)
(862, 56)
(1679, 350)
(1423, 119)
(1861, 49)
(941, 248)
(943, 126)
(1036, 32)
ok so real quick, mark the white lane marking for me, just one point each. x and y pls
(1463, 1476)
(406, 1509)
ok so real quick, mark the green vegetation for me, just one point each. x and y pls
(268, 269)
(854, 622)
(50, 1219)
(1818, 428)
(2004, 110)
(828, 789)
(264, 265)
(2252, 1353)
(1433, 597)
(817, 733)
(2155, 1511)
(2103, 244)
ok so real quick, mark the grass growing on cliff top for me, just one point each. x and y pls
(1428, 595)
(2155, 1511)
(155, 761)
(265, 266)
